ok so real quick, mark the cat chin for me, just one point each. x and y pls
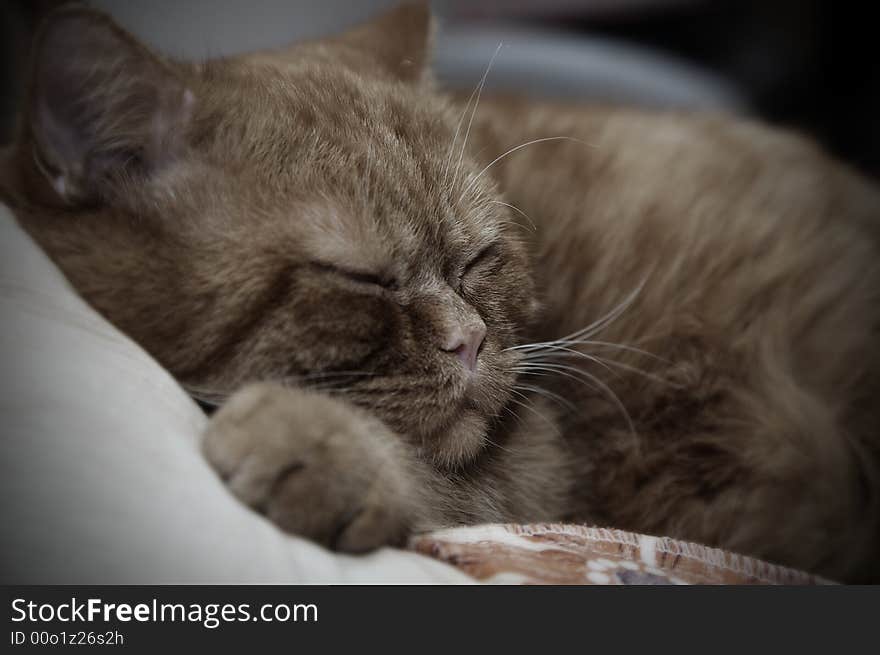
(458, 442)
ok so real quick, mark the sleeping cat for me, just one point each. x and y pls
(428, 311)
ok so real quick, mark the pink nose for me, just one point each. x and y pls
(465, 343)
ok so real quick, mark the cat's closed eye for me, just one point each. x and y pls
(485, 255)
(361, 277)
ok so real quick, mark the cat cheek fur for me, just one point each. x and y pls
(338, 329)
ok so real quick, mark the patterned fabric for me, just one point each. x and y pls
(573, 554)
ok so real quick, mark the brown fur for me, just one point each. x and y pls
(298, 219)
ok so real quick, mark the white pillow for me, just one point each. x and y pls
(101, 477)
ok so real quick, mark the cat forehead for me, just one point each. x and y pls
(316, 92)
(331, 233)
(354, 167)
(304, 125)
(371, 238)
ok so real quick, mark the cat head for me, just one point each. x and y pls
(307, 215)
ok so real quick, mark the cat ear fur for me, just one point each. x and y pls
(400, 39)
(101, 106)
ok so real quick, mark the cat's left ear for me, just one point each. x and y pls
(101, 108)
(400, 40)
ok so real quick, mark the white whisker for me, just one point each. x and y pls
(210, 399)
(547, 394)
(610, 316)
(620, 406)
(487, 440)
(504, 225)
(593, 328)
(474, 113)
(537, 350)
(637, 370)
(621, 346)
(320, 381)
(527, 406)
(540, 356)
(518, 210)
(474, 181)
(550, 373)
(457, 132)
(554, 366)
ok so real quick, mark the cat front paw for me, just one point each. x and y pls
(314, 466)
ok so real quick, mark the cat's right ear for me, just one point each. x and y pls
(102, 109)
(398, 40)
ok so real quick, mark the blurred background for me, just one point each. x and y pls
(808, 65)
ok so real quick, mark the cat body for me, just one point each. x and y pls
(751, 405)
(381, 278)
